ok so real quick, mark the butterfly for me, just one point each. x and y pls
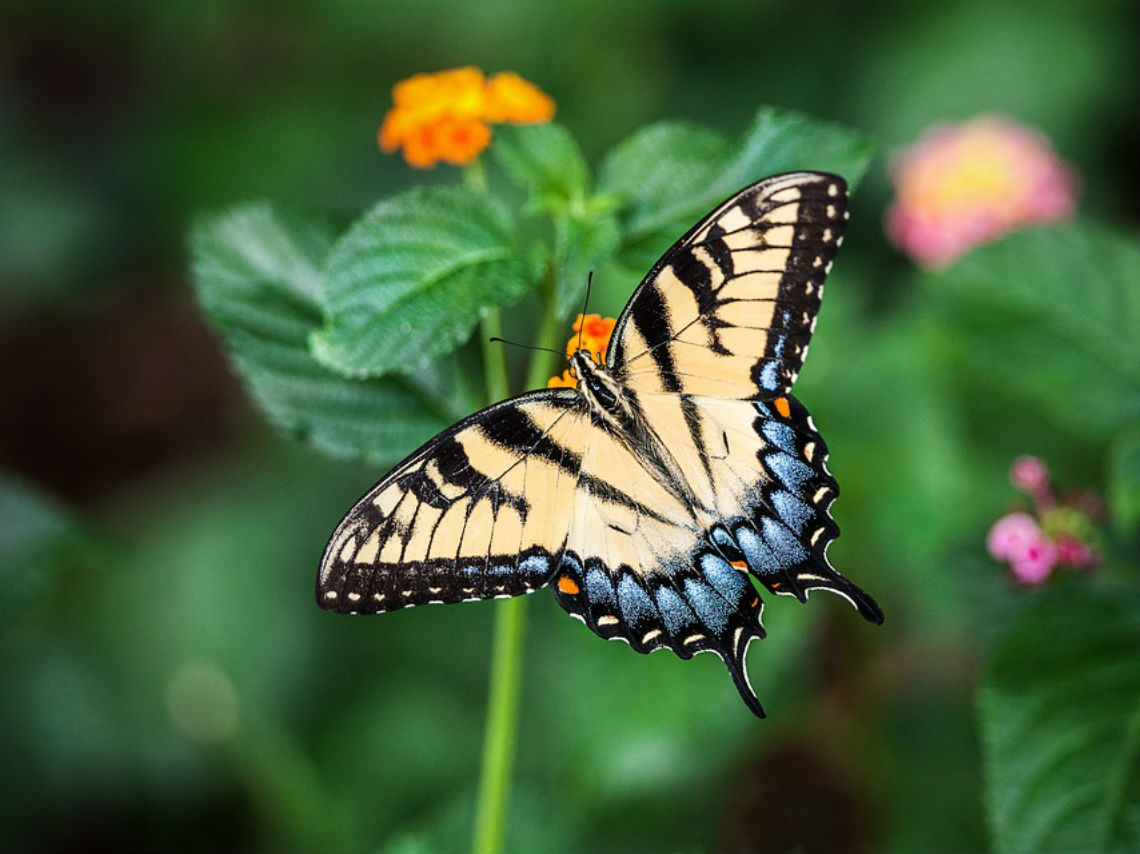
(648, 497)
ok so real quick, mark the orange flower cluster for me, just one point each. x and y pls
(591, 332)
(447, 115)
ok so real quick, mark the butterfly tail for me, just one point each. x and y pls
(738, 669)
(823, 577)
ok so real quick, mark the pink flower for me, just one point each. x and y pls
(961, 185)
(1035, 563)
(1012, 535)
(1018, 539)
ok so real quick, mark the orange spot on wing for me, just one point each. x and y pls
(782, 406)
(755, 601)
(568, 585)
(739, 564)
(775, 584)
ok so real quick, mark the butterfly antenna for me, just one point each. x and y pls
(585, 305)
(525, 346)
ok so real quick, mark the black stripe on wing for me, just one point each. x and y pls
(441, 475)
(757, 221)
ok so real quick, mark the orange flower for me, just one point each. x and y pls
(512, 99)
(591, 332)
(447, 115)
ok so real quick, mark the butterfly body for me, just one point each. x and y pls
(647, 496)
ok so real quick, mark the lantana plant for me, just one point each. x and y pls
(356, 341)
(1056, 534)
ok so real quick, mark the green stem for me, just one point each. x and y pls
(502, 727)
(494, 357)
(500, 735)
(543, 365)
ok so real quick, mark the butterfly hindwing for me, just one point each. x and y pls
(729, 310)
(478, 512)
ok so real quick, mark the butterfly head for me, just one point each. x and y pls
(596, 384)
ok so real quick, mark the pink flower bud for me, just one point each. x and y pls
(1030, 475)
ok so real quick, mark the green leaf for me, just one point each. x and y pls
(1060, 725)
(1124, 479)
(656, 173)
(1051, 318)
(409, 281)
(669, 175)
(546, 160)
(37, 539)
(258, 277)
(785, 141)
(582, 246)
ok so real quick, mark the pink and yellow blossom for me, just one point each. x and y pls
(970, 183)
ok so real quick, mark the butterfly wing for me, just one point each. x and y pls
(729, 310)
(480, 511)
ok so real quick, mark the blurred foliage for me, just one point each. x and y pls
(168, 682)
(1060, 725)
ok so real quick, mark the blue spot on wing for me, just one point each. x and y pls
(599, 588)
(677, 615)
(789, 471)
(727, 579)
(708, 605)
(770, 377)
(780, 435)
(788, 549)
(756, 552)
(535, 565)
(634, 601)
(793, 512)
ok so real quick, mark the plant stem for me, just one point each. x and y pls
(542, 365)
(494, 357)
(500, 735)
(502, 726)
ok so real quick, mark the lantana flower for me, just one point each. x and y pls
(970, 183)
(447, 116)
(591, 332)
(1059, 534)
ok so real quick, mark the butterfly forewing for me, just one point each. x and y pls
(478, 512)
(729, 310)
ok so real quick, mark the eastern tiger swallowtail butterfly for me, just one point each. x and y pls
(646, 495)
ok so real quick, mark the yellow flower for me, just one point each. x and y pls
(591, 332)
(447, 115)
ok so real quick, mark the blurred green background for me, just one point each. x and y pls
(167, 681)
